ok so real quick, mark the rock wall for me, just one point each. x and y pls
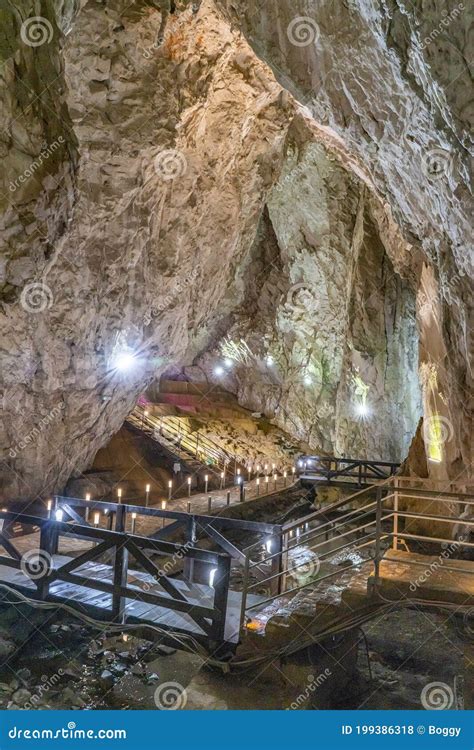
(392, 87)
(151, 158)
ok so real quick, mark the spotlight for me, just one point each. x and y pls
(269, 360)
(307, 380)
(125, 360)
(212, 575)
(218, 370)
(362, 409)
(228, 362)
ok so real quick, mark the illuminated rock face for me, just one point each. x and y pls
(165, 197)
(326, 328)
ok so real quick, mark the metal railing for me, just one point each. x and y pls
(193, 443)
(373, 519)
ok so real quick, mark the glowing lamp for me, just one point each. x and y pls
(212, 575)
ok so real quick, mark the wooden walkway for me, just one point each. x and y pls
(329, 470)
(99, 603)
(118, 575)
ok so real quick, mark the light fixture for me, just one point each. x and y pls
(269, 360)
(125, 360)
(59, 515)
(228, 362)
(307, 380)
(218, 370)
(268, 545)
(212, 575)
(362, 409)
(88, 496)
(96, 519)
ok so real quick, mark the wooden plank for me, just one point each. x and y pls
(151, 568)
(77, 562)
(226, 545)
(9, 547)
(163, 581)
(135, 593)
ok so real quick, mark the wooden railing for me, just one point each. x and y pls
(355, 471)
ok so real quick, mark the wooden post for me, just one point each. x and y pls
(120, 567)
(47, 544)
(395, 514)
(190, 535)
(221, 592)
(228, 497)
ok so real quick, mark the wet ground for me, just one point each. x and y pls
(64, 664)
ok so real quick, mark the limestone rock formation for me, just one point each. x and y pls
(166, 192)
